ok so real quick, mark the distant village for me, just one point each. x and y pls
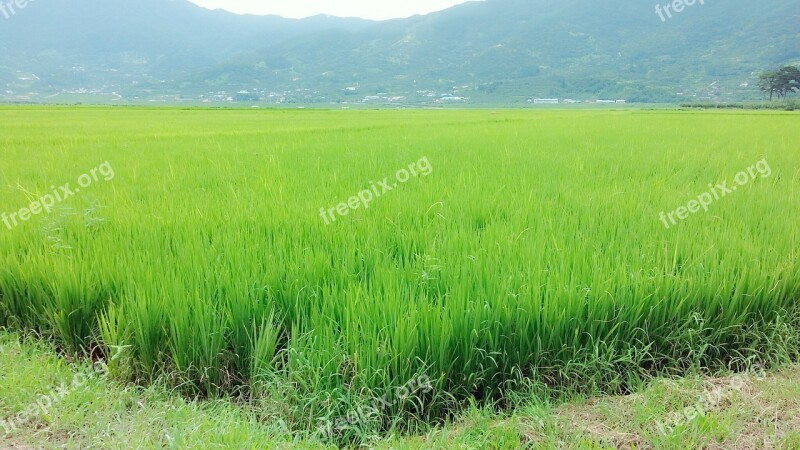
(555, 101)
(26, 87)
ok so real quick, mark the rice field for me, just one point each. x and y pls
(520, 251)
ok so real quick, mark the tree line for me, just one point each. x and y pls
(781, 82)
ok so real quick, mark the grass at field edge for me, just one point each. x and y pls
(738, 411)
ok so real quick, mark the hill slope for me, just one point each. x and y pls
(497, 51)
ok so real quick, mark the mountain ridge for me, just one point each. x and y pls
(489, 52)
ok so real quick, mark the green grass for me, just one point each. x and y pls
(785, 105)
(105, 414)
(531, 259)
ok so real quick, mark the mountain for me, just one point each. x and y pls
(133, 47)
(488, 52)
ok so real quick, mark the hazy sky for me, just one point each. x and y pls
(368, 9)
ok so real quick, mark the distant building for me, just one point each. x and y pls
(545, 101)
(451, 99)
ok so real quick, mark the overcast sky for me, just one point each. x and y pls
(368, 9)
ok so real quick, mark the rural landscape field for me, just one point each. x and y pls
(351, 273)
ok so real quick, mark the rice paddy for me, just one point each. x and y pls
(530, 257)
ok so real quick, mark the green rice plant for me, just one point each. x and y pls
(532, 255)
